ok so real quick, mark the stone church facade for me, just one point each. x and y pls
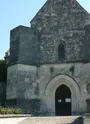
(49, 63)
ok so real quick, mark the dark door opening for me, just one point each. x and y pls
(63, 101)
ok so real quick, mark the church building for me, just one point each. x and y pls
(49, 62)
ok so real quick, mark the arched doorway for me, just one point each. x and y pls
(52, 87)
(63, 101)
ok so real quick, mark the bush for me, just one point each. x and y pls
(7, 110)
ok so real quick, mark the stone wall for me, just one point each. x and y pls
(28, 84)
(61, 21)
(87, 42)
(23, 88)
(57, 22)
(28, 50)
(28, 92)
(14, 45)
(12, 82)
(79, 74)
(23, 45)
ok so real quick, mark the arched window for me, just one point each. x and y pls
(61, 51)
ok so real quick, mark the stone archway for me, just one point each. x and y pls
(51, 89)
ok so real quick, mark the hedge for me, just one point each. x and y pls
(7, 110)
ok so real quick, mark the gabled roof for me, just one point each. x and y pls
(47, 3)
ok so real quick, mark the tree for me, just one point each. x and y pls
(3, 70)
(3, 78)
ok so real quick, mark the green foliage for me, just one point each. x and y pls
(7, 110)
(3, 70)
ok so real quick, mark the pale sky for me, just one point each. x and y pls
(20, 12)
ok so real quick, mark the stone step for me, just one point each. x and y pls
(43, 120)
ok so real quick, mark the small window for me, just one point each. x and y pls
(61, 51)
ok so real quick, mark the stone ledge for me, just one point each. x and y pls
(14, 115)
